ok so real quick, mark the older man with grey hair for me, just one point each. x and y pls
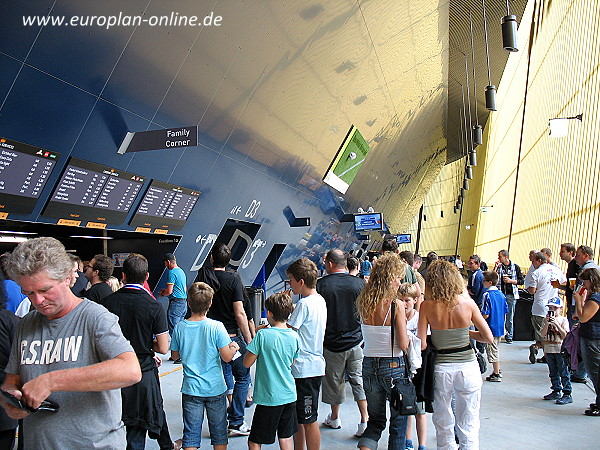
(69, 351)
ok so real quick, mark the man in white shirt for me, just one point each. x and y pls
(540, 285)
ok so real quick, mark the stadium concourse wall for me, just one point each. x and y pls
(530, 190)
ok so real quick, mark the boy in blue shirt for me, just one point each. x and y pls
(203, 385)
(275, 349)
(494, 310)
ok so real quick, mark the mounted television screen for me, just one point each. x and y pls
(165, 207)
(24, 170)
(93, 192)
(368, 222)
(347, 162)
(403, 239)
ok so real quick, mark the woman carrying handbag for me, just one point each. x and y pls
(383, 367)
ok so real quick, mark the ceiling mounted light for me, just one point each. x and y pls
(459, 201)
(455, 209)
(465, 184)
(509, 30)
(463, 193)
(490, 89)
(469, 173)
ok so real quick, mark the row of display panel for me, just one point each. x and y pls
(87, 193)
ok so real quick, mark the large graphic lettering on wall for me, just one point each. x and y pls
(239, 236)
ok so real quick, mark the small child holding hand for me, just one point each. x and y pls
(554, 329)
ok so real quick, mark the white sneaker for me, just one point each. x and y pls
(336, 424)
(360, 430)
(239, 430)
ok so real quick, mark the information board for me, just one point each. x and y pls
(90, 191)
(165, 206)
(24, 170)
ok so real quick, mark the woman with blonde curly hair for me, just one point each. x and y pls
(449, 312)
(382, 366)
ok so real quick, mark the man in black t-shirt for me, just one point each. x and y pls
(342, 343)
(98, 271)
(567, 254)
(228, 307)
(141, 317)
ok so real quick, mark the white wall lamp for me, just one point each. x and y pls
(559, 127)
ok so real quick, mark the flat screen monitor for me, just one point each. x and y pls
(24, 170)
(403, 239)
(368, 222)
(92, 192)
(164, 207)
(347, 162)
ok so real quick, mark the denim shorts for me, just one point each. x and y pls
(193, 416)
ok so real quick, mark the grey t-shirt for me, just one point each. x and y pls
(87, 335)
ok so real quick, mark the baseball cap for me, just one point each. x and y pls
(555, 301)
(169, 257)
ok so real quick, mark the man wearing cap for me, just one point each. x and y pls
(176, 290)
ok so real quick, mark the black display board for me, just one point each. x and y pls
(24, 170)
(92, 192)
(164, 207)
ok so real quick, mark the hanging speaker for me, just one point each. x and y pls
(477, 135)
(472, 158)
(490, 97)
(509, 33)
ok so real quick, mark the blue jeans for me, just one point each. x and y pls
(560, 378)
(590, 352)
(377, 382)
(136, 438)
(241, 375)
(511, 302)
(193, 416)
(176, 312)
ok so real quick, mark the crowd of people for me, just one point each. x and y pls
(80, 368)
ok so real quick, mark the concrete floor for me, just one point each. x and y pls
(513, 414)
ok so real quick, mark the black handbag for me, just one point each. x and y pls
(480, 360)
(403, 396)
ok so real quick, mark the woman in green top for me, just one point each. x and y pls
(449, 312)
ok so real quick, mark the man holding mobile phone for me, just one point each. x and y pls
(70, 351)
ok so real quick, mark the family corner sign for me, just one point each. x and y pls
(159, 139)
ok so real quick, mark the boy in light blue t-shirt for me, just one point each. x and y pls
(274, 350)
(201, 343)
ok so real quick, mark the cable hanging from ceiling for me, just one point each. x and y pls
(477, 129)
(490, 89)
